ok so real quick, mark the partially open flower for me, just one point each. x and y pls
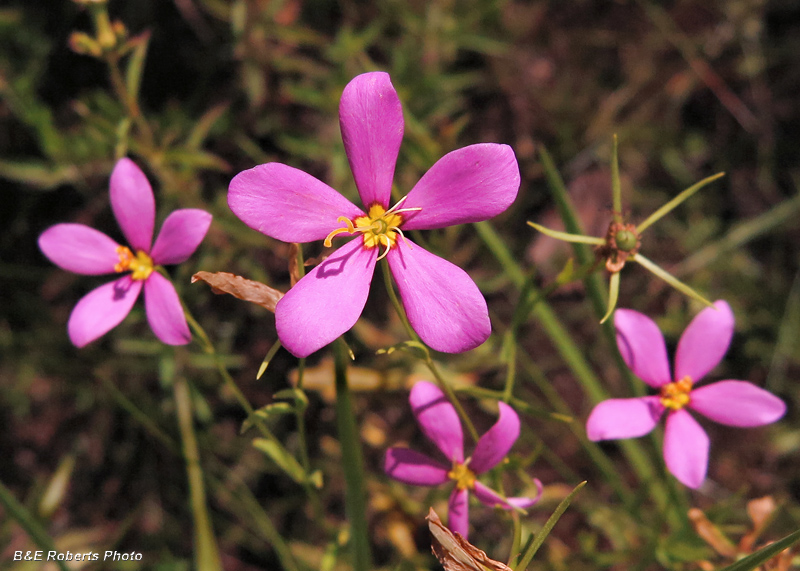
(439, 421)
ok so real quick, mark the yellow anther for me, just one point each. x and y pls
(676, 395)
(380, 227)
(141, 265)
(463, 476)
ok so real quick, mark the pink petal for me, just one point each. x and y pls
(642, 347)
(458, 512)
(443, 304)
(438, 419)
(686, 448)
(164, 311)
(80, 249)
(371, 119)
(623, 418)
(133, 204)
(413, 468)
(497, 441)
(327, 301)
(102, 309)
(737, 403)
(287, 204)
(704, 342)
(467, 185)
(489, 497)
(182, 232)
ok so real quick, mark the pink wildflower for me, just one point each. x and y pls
(700, 349)
(443, 304)
(84, 250)
(439, 421)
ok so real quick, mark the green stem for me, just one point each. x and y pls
(429, 362)
(353, 463)
(205, 544)
(28, 522)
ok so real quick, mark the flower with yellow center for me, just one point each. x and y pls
(675, 395)
(379, 227)
(141, 265)
(463, 476)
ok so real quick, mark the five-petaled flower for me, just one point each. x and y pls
(440, 423)
(700, 349)
(443, 304)
(84, 250)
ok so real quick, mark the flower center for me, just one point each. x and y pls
(463, 476)
(676, 395)
(141, 264)
(622, 241)
(379, 227)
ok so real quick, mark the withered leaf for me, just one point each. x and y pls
(456, 553)
(241, 288)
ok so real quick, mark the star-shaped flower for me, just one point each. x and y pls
(700, 349)
(439, 421)
(84, 250)
(443, 304)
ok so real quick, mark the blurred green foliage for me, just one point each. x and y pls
(206, 88)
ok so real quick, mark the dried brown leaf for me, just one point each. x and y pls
(456, 553)
(240, 288)
(711, 534)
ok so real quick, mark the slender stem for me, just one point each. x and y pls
(29, 523)
(205, 544)
(616, 185)
(429, 362)
(353, 463)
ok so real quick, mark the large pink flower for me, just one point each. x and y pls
(439, 421)
(443, 304)
(84, 250)
(700, 349)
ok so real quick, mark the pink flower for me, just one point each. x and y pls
(439, 421)
(443, 304)
(84, 250)
(700, 349)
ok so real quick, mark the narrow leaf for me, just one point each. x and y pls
(575, 238)
(764, 554)
(133, 74)
(616, 186)
(613, 294)
(670, 279)
(282, 458)
(669, 206)
(548, 527)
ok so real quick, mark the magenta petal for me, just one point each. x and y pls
(458, 512)
(327, 301)
(686, 448)
(371, 119)
(497, 441)
(737, 403)
(467, 185)
(80, 249)
(102, 309)
(413, 468)
(642, 347)
(164, 311)
(623, 418)
(182, 232)
(133, 204)
(704, 342)
(438, 419)
(443, 304)
(287, 204)
(489, 497)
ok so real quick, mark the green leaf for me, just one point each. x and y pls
(669, 206)
(613, 295)
(534, 546)
(282, 458)
(616, 186)
(133, 74)
(764, 554)
(670, 279)
(565, 236)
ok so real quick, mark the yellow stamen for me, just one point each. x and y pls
(676, 395)
(380, 227)
(141, 265)
(464, 477)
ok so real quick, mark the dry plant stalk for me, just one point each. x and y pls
(456, 553)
